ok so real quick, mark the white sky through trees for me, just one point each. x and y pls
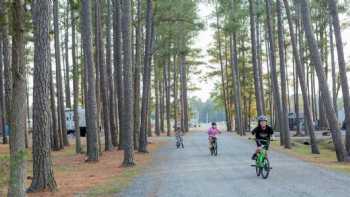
(205, 39)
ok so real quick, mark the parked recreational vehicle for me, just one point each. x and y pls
(70, 121)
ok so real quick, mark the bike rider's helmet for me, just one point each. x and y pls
(213, 124)
(262, 118)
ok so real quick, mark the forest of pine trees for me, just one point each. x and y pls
(111, 58)
(128, 63)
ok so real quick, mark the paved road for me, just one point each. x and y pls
(191, 172)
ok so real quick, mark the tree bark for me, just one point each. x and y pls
(17, 116)
(66, 56)
(334, 75)
(57, 142)
(103, 77)
(274, 80)
(167, 95)
(78, 148)
(175, 104)
(223, 81)
(316, 59)
(184, 101)
(128, 93)
(258, 93)
(146, 79)
(2, 100)
(162, 106)
(342, 69)
(111, 92)
(236, 83)
(6, 66)
(43, 177)
(91, 109)
(137, 70)
(156, 86)
(61, 106)
(283, 68)
(118, 70)
(2, 94)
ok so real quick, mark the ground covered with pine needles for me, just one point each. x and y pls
(75, 177)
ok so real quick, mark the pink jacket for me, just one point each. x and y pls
(213, 132)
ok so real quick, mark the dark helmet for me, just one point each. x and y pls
(213, 124)
(262, 118)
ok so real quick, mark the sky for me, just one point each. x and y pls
(203, 41)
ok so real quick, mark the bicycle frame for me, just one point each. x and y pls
(261, 157)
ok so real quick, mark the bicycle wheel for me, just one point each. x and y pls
(265, 170)
(216, 149)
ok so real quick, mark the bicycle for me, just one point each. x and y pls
(179, 142)
(214, 147)
(262, 164)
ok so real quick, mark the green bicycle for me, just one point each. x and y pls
(262, 164)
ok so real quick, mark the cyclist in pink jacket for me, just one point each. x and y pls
(212, 133)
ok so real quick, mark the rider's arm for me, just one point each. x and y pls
(254, 131)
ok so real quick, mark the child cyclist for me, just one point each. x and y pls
(179, 137)
(212, 133)
(263, 134)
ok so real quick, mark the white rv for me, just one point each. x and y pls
(70, 121)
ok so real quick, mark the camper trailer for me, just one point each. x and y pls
(70, 121)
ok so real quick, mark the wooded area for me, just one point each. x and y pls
(128, 64)
(270, 50)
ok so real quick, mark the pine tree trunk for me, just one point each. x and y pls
(111, 92)
(259, 56)
(283, 68)
(2, 95)
(334, 75)
(236, 83)
(43, 177)
(61, 106)
(137, 70)
(184, 100)
(7, 83)
(91, 108)
(128, 93)
(223, 86)
(17, 116)
(118, 69)
(162, 110)
(146, 80)
(167, 95)
(316, 59)
(103, 77)
(66, 56)
(258, 89)
(2, 100)
(175, 102)
(57, 142)
(300, 73)
(78, 148)
(274, 80)
(97, 63)
(156, 90)
(26, 142)
(342, 69)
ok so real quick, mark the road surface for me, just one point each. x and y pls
(192, 172)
